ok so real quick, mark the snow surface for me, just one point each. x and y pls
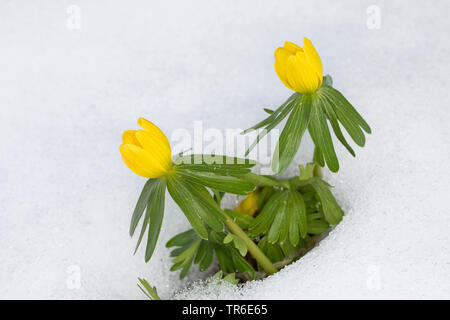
(66, 96)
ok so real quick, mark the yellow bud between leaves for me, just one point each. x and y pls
(146, 152)
(249, 205)
(300, 69)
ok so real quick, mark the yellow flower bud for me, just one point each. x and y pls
(249, 205)
(146, 152)
(300, 69)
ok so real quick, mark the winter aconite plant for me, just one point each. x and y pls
(280, 219)
(147, 153)
(314, 102)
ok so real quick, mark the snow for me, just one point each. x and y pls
(67, 94)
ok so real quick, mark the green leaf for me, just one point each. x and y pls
(277, 229)
(273, 115)
(228, 238)
(184, 258)
(197, 205)
(141, 204)
(283, 217)
(318, 157)
(320, 134)
(149, 291)
(194, 250)
(156, 208)
(212, 209)
(262, 223)
(298, 210)
(333, 213)
(202, 249)
(286, 110)
(241, 265)
(225, 261)
(315, 216)
(218, 275)
(335, 124)
(181, 196)
(347, 115)
(154, 212)
(182, 239)
(218, 164)
(290, 220)
(143, 229)
(186, 269)
(260, 181)
(327, 81)
(228, 184)
(240, 245)
(231, 278)
(292, 225)
(318, 226)
(220, 170)
(272, 251)
(218, 195)
(307, 171)
(287, 248)
(242, 219)
(351, 111)
(207, 258)
(229, 258)
(176, 252)
(185, 241)
(292, 134)
(265, 195)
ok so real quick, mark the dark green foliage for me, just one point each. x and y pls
(191, 249)
(152, 198)
(197, 205)
(282, 218)
(313, 112)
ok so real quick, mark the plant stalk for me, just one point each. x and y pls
(317, 172)
(254, 250)
(265, 181)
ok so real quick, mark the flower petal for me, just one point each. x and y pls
(152, 129)
(281, 58)
(292, 47)
(141, 162)
(313, 58)
(157, 146)
(129, 137)
(301, 75)
(300, 69)
(249, 205)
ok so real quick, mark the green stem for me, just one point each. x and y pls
(317, 168)
(254, 250)
(265, 181)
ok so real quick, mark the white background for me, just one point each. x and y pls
(66, 95)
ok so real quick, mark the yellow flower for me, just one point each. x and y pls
(300, 69)
(249, 205)
(146, 152)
